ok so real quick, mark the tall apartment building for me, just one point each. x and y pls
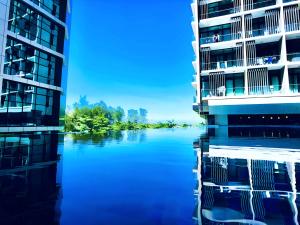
(33, 64)
(247, 61)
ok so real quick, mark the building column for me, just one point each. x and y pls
(285, 89)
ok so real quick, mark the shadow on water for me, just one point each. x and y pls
(248, 175)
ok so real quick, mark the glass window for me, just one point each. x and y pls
(26, 62)
(25, 105)
(32, 25)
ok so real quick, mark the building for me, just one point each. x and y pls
(33, 64)
(247, 61)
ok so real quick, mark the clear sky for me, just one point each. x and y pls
(133, 53)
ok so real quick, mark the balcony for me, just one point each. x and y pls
(220, 38)
(222, 64)
(263, 60)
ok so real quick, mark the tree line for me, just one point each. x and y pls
(100, 118)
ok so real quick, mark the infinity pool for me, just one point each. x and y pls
(246, 175)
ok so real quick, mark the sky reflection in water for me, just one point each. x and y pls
(169, 176)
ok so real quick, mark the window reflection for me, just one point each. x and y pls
(27, 62)
(28, 105)
(35, 27)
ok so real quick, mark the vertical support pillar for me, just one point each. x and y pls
(4, 16)
(283, 55)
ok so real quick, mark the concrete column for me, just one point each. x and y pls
(283, 56)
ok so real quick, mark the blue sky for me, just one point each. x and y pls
(133, 53)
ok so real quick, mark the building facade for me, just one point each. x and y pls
(247, 61)
(33, 64)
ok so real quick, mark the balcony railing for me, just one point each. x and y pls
(295, 88)
(293, 57)
(286, 1)
(264, 90)
(263, 60)
(240, 91)
(220, 38)
(223, 91)
(222, 64)
(259, 4)
(222, 12)
(262, 32)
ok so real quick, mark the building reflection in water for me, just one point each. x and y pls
(248, 176)
(29, 187)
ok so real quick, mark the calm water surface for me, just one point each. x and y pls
(154, 177)
(142, 177)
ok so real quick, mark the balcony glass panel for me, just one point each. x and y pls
(260, 4)
(222, 64)
(264, 60)
(293, 57)
(219, 38)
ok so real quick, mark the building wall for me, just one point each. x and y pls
(33, 76)
(247, 58)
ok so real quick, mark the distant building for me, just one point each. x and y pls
(34, 43)
(247, 65)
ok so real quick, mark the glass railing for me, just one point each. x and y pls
(286, 1)
(259, 4)
(264, 60)
(240, 91)
(295, 88)
(220, 38)
(222, 64)
(262, 32)
(222, 12)
(291, 27)
(264, 90)
(223, 91)
(293, 57)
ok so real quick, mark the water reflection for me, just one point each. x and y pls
(29, 186)
(137, 136)
(248, 176)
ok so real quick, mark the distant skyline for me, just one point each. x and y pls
(133, 54)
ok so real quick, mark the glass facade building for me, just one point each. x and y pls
(247, 61)
(34, 39)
